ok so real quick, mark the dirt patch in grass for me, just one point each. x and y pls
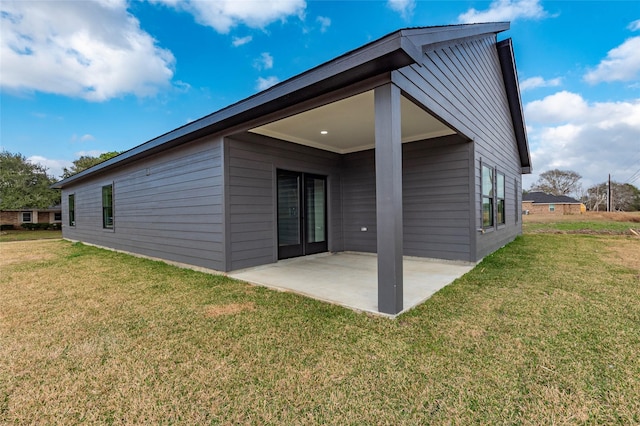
(625, 252)
(633, 217)
(590, 223)
(213, 311)
(580, 231)
(27, 252)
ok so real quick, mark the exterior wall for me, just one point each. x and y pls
(544, 208)
(251, 195)
(463, 84)
(168, 205)
(435, 181)
(359, 201)
(14, 217)
(10, 218)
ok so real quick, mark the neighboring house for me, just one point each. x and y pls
(19, 216)
(413, 144)
(542, 203)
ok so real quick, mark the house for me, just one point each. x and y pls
(16, 217)
(542, 203)
(413, 144)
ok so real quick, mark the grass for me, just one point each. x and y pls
(546, 330)
(15, 235)
(617, 223)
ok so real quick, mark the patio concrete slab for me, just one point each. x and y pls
(350, 279)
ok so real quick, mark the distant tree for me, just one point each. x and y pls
(85, 162)
(624, 197)
(558, 182)
(24, 184)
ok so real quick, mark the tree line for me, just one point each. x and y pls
(624, 196)
(24, 184)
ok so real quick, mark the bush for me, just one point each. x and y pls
(6, 227)
(40, 226)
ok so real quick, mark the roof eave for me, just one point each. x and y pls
(388, 53)
(508, 65)
(434, 35)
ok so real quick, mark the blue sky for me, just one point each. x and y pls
(82, 77)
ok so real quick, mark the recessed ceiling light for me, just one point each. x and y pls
(323, 132)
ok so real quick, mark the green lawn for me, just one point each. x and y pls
(545, 331)
(28, 235)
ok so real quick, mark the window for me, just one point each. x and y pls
(487, 197)
(72, 210)
(517, 199)
(552, 207)
(107, 206)
(26, 217)
(500, 198)
(57, 217)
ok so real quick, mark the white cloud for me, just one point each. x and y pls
(593, 139)
(240, 41)
(90, 153)
(325, 23)
(505, 10)
(84, 138)
(54, 167)
(264, 62)
(621, 64)
(90, 50)
(559, 107)
(403, 7)
(635, 25)
(265, 83)
(535, 82)
(222, 15)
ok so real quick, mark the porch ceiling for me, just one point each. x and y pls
(350, 126)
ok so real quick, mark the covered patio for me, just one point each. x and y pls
(350, 279)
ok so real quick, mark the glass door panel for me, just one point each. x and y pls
(289, 214)
(315, 198)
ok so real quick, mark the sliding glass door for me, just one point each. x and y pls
(302, 214)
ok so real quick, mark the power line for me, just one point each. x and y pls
(635, 176)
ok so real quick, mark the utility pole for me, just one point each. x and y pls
(609, 194)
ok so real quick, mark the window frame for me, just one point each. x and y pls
(501, 213)
(72, 209)
(487, 199)
(108, 217)
(30, 217)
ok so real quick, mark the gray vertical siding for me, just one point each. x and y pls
(251, 210)
(435, 188)
(168, 206)
(462, 83)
